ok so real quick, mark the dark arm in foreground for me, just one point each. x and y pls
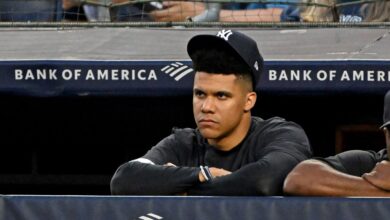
(264, 177)
(316, 178)
(136, 178)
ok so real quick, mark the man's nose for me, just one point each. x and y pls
(208, 105)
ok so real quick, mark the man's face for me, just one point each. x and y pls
(219, 104)
(387, 136)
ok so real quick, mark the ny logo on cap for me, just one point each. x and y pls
(225, 34)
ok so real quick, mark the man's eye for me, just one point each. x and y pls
(222, 95)
(199, 94)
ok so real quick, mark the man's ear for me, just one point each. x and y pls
(386, 132)
(387, 136)
(251, 98)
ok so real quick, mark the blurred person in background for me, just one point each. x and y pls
(377, 11)
(30, 10)
(230, 12)
(171, 11)
(124, 10)
(319, 11)
(104, 11)
(73, 11)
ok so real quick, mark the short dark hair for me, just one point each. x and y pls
(220, 60)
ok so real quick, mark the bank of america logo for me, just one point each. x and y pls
(150, 216)
(177, 70)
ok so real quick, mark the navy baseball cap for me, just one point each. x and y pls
(386, 110)
(244, 46)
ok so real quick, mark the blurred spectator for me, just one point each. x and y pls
(106, 10)
(73, 11)
(231, 12)
(183, 10)
(378, 11)
(177, 11)
(319, 11)
(245, 11)
(131, 12)
(30, 10)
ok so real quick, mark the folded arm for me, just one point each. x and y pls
(138, 178)
(286, 145)
(380, 175)
(316, 178)
(264, 177)
(252, 15)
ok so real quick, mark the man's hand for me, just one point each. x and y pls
(216, 172)
(380, 175)
(169, 164)
(177, 11)
(67, 4)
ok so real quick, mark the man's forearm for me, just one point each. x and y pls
(253, 15)
(135, 178)
(260, 178)
(264, 177)
(315, 178)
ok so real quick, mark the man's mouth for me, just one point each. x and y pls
(206, 121)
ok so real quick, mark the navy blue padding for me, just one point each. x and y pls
(191, 208)
(174, 78)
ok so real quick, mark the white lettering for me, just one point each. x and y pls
(370, 76)
(381, 76)
(295, 75)
(140, 75)
(37, 74)
(272, 75)
(102, 75)
(29, 75)
(345, 76)
(358, 75)
(306, 75)
(52, 74)
(322, 75)
(283, 76)
(152, 75)
(41, 74)
(18, 74)
(67, 74)
(332, 74)
(77, 73)
(290, 75)
(114, 75)
(125, 75)
(90, 75)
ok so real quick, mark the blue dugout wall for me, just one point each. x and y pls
(76, 103)
(191, 208)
